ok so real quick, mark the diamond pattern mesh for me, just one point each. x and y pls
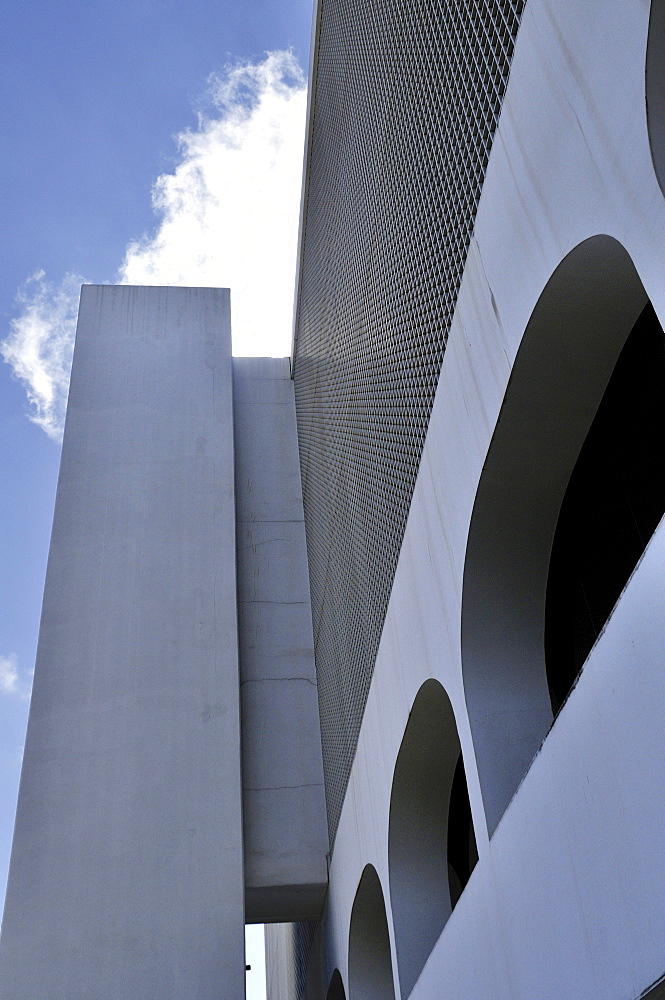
(407, 99)
(303, 939)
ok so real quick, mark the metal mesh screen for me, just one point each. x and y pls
(303, 939)
(407, 99)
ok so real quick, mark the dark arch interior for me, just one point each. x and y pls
(613, 503)
(431, 841)
(370, 962)
(462, 849)
(561, 371)
(336, 987)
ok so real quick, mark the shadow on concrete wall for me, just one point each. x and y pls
(432, 846)
(561, 371)
(370, 963)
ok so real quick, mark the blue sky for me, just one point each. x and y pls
(94, 96)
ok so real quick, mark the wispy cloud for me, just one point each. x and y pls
(227, 217)
(39, 347)
(9, 677)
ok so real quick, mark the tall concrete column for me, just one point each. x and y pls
(126, 877)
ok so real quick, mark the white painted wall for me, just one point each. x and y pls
(568, 897)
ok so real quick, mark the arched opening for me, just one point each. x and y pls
(562, 369)
(336, 987)
(462, 847)
(655, 88)
(370, 964)
(431, 843)
(612, 506)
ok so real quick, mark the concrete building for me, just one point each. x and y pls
(479, 367)
(378, 647)
(176, 618)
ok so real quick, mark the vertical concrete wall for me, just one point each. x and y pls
(286, 835)
(126, 876)
(280, 962)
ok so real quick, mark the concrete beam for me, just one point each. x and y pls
(286, 837)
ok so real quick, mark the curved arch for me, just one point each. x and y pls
(431, 843)
(336, 987)
(613, 503)
(568, 352)
(370, 963)
(655, 88)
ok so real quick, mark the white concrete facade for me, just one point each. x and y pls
(126, 877)
(172, 786)
(568, 897)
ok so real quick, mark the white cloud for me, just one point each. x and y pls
(39, 347)
(227, 217)
(9, 679)
(229, 212)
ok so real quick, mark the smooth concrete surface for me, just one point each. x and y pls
(126, 877)
(286, 836)
(567, 901)
(280, 968)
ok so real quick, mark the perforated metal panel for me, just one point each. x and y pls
(407, 99)
(303, 940)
